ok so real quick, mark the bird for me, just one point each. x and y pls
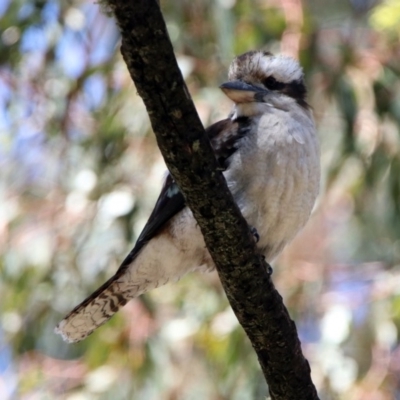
(268, 150)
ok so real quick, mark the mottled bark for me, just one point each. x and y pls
(149, 56)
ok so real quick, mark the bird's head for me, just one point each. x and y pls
(260, 77)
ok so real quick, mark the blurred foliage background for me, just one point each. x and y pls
(80, 172)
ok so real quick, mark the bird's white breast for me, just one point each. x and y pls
(277, 163)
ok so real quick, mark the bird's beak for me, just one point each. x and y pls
(242, 92)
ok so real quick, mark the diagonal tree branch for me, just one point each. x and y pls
(149, 56)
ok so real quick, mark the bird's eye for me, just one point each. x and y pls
(272, 84)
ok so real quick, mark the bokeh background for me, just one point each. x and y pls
(80, 172)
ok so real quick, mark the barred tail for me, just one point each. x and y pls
(159, 262)
(94, 311)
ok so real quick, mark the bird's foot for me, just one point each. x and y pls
(255, 234)
(268, 267)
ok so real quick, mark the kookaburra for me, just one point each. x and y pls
(269, 151)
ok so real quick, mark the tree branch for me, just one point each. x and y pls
(149, 56)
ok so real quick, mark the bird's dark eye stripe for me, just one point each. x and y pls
(272, 84)
(297, 91)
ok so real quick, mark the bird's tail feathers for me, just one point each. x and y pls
(95, 310)
(101, 305)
